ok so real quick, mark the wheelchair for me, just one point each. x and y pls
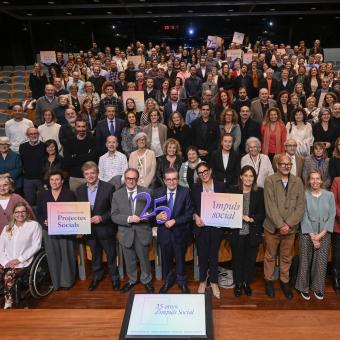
(35, 280)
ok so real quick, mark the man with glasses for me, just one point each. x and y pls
(285, 205)
(174, 234)
(296, 160)
(16, 128)
(134, 233)
(32, 155)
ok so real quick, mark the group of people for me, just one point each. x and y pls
(268, 130)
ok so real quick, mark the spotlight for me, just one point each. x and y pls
(113, 27)
(191, 31)
(271, 23)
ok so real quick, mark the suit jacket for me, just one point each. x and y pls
(152, 94)
(182, 213)
(102, 131)
(250, 129)
(256, 109)
(289, 86)
(231, 173)
(299, 164)
(200, 74)
(274, 90)
(102, 206)
(196, 192)
(171, 76)
(121, 210)
(181, 107)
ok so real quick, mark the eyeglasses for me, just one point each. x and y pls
(291, 145)
(201, 173)
(286, 165)
(20, 212)
(131, 178)
(171, 179)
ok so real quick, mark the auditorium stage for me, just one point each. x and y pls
(80, 314)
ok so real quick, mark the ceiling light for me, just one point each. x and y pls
(300, 18)
(149, 12)
(190, 11)
(96, 1)
(313, 8)
(337, 17)
(117, 35)
(154, 21)
(5, 2)
(227, 19)
(141, 0)
(47, 23)
(113, 26)
(83, 22)
(108, 12)
(272, 9)
(51, 2)
(29, 14)
(230, 10)
(68, 13)
(271, 23)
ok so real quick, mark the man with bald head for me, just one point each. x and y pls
(284, 199)
(259, 106)
(32, 155)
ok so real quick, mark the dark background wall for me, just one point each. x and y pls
(22, 40)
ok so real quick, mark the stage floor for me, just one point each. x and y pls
(231, 324)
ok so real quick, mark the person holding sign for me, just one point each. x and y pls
(245, 241)
(174, 234)
(60, 249)
(103, 235)
(134, 233)
(207, 238)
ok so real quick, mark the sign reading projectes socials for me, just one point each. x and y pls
(47, 57)
(222, 210)
(69, 218)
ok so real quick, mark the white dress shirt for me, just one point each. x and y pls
(22, 243)
(111, 165)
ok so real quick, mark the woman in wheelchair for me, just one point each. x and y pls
(20, 240)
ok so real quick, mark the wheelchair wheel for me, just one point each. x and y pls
(40, 283)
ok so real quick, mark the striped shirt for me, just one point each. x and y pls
(111, 165)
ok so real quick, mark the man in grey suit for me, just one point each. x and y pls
(259, 106)
(134, 234)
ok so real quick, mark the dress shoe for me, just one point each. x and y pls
(184, 289)
(8, 303)
(216, 290)
(93, 285)
(269, 288)
(167, 285)
(247, 289)
(286, 290)
(115, 284)
(149, 287)
(238, 289)
(129, 285)
(201, 288)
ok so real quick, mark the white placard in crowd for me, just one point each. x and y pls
(247, 58)
(213, 41)
(238, 38)
(233, 54)
(136, 59)
(47, 57)
(137, 96)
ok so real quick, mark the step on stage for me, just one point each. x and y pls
(80, 314)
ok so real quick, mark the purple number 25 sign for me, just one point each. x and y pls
(156, 209)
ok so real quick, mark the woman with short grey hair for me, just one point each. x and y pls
(260, 162)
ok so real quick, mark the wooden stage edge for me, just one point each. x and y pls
(231, 324)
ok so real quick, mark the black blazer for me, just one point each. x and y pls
(181, 108)
(45, 196)
(102, 206)
(230, 175)
(102, 131)
(289, 86)
(256, 211)
(200, 74)
(163, 164)
(183, 136)
(208, 142)
(251, 128)
(196, 192)
(182, 213)
(275, 86)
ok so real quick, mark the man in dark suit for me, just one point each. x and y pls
(193, 84)
(203, 70)
(103, 231)
(111, 125)
(249, 128)
(134, 233)
(171, 74)
(285, 84)
(270, 83)
(175, 233)
(205, 133)
(173, 105)
(149, 90)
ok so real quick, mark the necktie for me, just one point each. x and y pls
(171, 201)
(131, 203)
(112, 128)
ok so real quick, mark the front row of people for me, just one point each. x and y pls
(280, 207)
